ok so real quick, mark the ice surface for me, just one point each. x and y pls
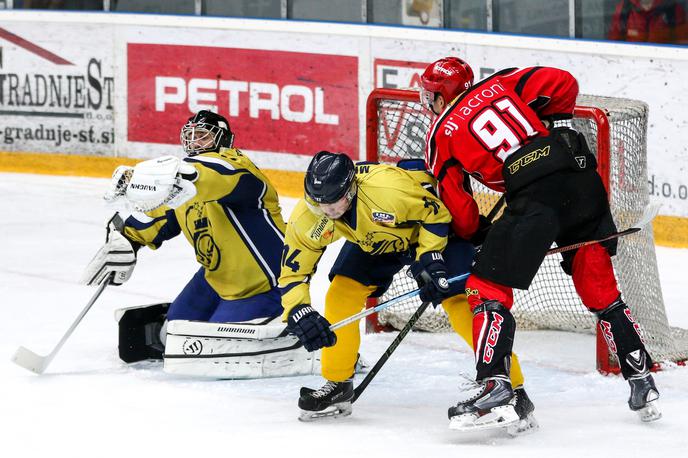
(90, 404)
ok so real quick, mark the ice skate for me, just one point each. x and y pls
(526, 420)
(643, 399)
(332, 400)
(493, 406)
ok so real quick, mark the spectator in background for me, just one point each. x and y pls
(654, 21)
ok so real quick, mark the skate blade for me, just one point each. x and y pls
(650, 412)
(498, 417)
(342, 409)
(523, 427)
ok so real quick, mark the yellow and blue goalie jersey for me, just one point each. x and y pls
(394, 210)
(233, 223)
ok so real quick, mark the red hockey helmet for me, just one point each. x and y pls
(449, 76)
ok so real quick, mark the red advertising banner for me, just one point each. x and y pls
(277, 101)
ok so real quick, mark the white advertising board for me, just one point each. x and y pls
(288, 88)
(57, 88)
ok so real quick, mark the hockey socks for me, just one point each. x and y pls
(493, 338)
(461, 319)
(625, 339)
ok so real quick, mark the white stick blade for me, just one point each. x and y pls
(648, 215)
(29, 360)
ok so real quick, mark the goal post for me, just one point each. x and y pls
(616, 131)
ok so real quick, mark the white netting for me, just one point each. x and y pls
(551, 302)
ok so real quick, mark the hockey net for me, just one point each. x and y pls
(616, 132)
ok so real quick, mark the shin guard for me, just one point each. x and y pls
(624, 338)
(461, 319)
(493, 337)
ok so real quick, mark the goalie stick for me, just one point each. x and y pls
(37, 363)
(648, 215)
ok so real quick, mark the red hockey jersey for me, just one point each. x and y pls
(487, 123)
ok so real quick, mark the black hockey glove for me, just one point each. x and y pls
(484, 226)
(312, 329)
(431, 274)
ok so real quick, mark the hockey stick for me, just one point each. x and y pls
(37, 363)
(497, 207)
(387, 304)
(490, 216)
(648, 215)
(385, 356)
(411, 322)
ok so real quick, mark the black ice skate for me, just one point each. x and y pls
(524, 409)
(644, 397)
(332, 400)
(492, 406)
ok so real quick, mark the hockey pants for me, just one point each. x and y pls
(346, 297)
(593, 278)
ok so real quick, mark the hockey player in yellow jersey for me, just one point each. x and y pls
(226, 209)
(390, 217)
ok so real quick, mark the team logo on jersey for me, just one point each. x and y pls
(197, 224)
(383, 217)
(379, 242)
(528, 159)
(320, 230)
(431, 203)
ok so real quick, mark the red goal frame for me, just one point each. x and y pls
(606, 364)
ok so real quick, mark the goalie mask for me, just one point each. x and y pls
(330, 184)
(204, 132)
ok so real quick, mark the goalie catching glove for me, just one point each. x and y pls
(431, 275)
(117, 256)
(311, 328)
(151, 184)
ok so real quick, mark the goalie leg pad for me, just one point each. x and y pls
(247, 350)
(139, 332)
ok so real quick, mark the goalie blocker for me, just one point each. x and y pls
(253, 349)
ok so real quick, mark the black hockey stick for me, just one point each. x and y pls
(648, 215)
(385, 356)
(409, 325)
(497, 207)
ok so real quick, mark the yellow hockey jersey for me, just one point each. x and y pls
(234, 224)
(394, 210)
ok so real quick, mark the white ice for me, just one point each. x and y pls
(90, 404)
